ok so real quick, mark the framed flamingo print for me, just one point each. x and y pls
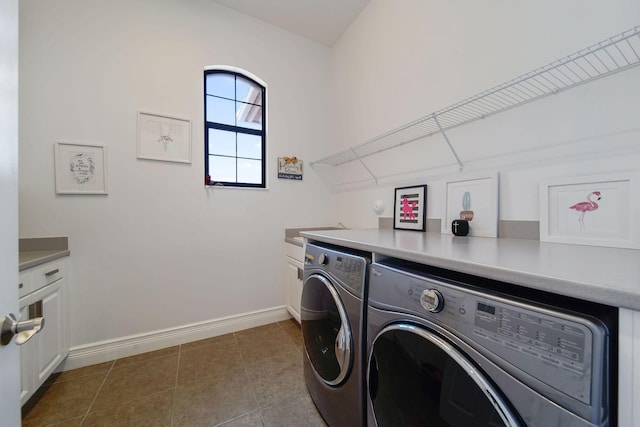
(598, 210)
(410, 208)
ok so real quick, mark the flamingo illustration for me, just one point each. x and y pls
(584, 207)
(407, 208)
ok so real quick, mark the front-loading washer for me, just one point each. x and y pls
(446, 349)
(332, 313)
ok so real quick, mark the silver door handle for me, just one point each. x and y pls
(23, 330)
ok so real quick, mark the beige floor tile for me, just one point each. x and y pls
(247, 378)
(140, 379)
(208, 360)
(250, 420)
(255, 347)
(260, 330)
(213, 399)
(152, 410)
(145, 357)
(74, 422)
(97, 369)
(64, 401)
(276, 379)
(293, 412)
(219, 340)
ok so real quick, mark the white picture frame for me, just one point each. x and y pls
(80, 168)
(473, 197)
(597, 210)
(164, 138)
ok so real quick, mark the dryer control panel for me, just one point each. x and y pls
(563, 350)
(348, 268)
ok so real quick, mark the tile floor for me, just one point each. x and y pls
(248, 378)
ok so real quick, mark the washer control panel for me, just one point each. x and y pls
(557, 348)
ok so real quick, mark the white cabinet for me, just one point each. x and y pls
(51, 342)
(293, 279)
(47, 298)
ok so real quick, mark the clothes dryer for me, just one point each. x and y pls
(332, 315)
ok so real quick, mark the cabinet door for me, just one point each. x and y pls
(50, 341)
(294, 287)
(27, 383)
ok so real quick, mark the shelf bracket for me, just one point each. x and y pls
(364, 165)
(446, 138)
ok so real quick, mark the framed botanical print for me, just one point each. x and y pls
(474, 198)
(80, 168)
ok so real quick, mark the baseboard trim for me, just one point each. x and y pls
(104, 351)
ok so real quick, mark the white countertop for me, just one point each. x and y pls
(606, 275)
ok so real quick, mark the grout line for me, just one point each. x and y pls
(175, 386)
(225, 422)
(84, 418)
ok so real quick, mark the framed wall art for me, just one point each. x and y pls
(410, 208)
(473, 197)
(80, 168)
(164, 138)
(290, 168)
(598, 210)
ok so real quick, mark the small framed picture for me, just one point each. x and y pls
(410, 208)
(164, 138)
(80, 168)
(290, 168)
(472, 197)
(598, 210)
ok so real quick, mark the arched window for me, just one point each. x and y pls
(235, 122)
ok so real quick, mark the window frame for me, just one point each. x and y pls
(235, 72)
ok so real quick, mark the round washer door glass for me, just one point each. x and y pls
(325, 330)
(417, 378)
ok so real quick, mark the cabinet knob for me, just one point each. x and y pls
(23, 330)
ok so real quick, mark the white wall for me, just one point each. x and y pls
(402, 60)
(161, 250)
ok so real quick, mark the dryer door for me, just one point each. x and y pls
(417, 378)
(325, 330)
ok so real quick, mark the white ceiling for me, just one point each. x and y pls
(320, 20)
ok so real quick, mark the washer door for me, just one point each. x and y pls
(325, 330)
(417, 378)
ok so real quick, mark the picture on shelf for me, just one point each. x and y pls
(590, 210)
(410, 208)
(473, 198)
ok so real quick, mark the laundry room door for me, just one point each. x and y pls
(325, 330)
(9, 354)
(417, 378)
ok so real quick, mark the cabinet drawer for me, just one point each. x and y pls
(46, 274)
(295, 251)
(24, 283)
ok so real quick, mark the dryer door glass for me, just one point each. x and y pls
(325, 330)
(417, 378)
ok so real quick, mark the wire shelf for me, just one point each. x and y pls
(616, 54)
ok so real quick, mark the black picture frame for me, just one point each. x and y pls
(410, 208)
